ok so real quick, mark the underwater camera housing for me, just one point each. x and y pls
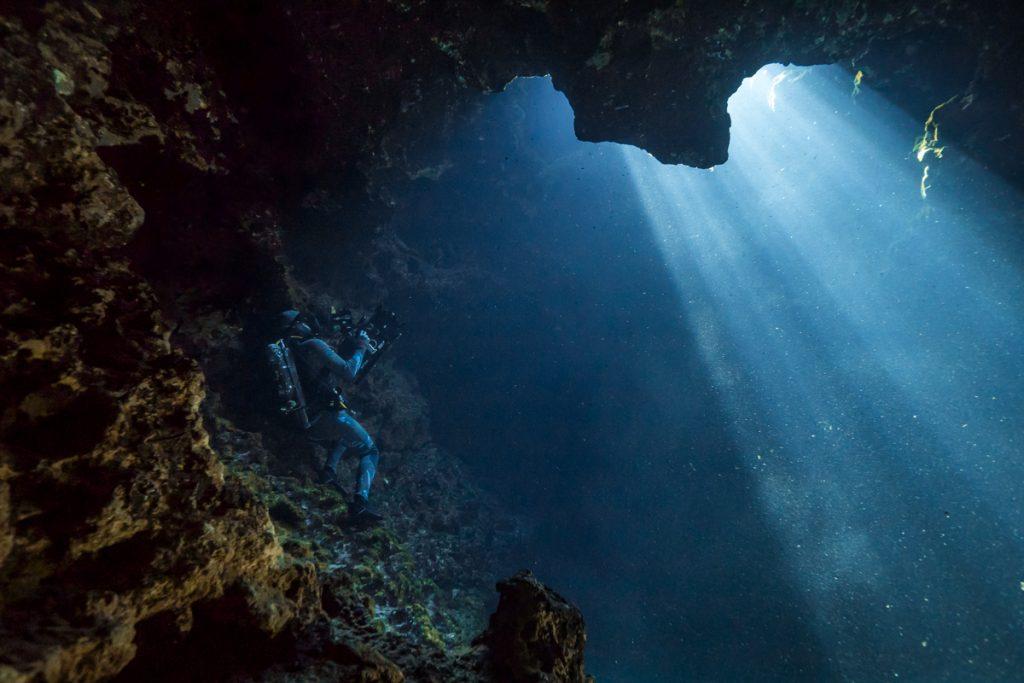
(381, 327)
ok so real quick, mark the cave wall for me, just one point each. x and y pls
(115, 508)
(169, 174)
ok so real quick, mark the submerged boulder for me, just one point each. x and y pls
(535, 634)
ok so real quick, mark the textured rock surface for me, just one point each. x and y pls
(658, 75)
(535, 634)
(127, 544)
(116, 507)
(116, 511)
(168, 174)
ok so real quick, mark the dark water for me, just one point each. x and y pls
(764, 422)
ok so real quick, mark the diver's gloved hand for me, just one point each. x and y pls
(363, 341)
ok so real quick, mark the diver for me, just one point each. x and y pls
(331, 422)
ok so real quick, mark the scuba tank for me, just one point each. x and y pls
(290, 398)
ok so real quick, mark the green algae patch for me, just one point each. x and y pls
(389, 569)
(62, 83)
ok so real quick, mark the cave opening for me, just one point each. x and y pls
(762, 420)
(756, 422)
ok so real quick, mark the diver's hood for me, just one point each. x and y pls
(290, 320)
(286, 319)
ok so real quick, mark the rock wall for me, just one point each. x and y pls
(170, 174)
(115, 510)
(129, 545)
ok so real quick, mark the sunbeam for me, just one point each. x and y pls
(865, 341)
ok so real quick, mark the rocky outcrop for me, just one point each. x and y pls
(116, 512)
(535, 634)
(170, 171)
(116, 508)
(654, 74)
(658, 75)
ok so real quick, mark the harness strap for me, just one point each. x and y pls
(321, 386)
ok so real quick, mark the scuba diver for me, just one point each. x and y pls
(323, 412)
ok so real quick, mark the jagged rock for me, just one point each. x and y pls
(115, 512)
(117, 509)
(535, 634)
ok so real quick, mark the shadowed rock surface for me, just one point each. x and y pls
(535, 634)
(171, 175)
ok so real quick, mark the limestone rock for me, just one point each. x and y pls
(535, 634)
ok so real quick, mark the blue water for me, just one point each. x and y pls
(763, 422)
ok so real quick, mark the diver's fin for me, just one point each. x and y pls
(361, 514)
(328, 477)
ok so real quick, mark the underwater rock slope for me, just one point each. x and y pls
(535, 634)
(154, 165)
(128, 546)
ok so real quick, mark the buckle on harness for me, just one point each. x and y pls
(336, 402)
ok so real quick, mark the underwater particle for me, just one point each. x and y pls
(1022, 585)
(924, 185)
(62, 83)
(924, 643)
(772, 96)
(857, 79)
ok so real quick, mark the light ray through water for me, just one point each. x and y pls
(868, 353)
